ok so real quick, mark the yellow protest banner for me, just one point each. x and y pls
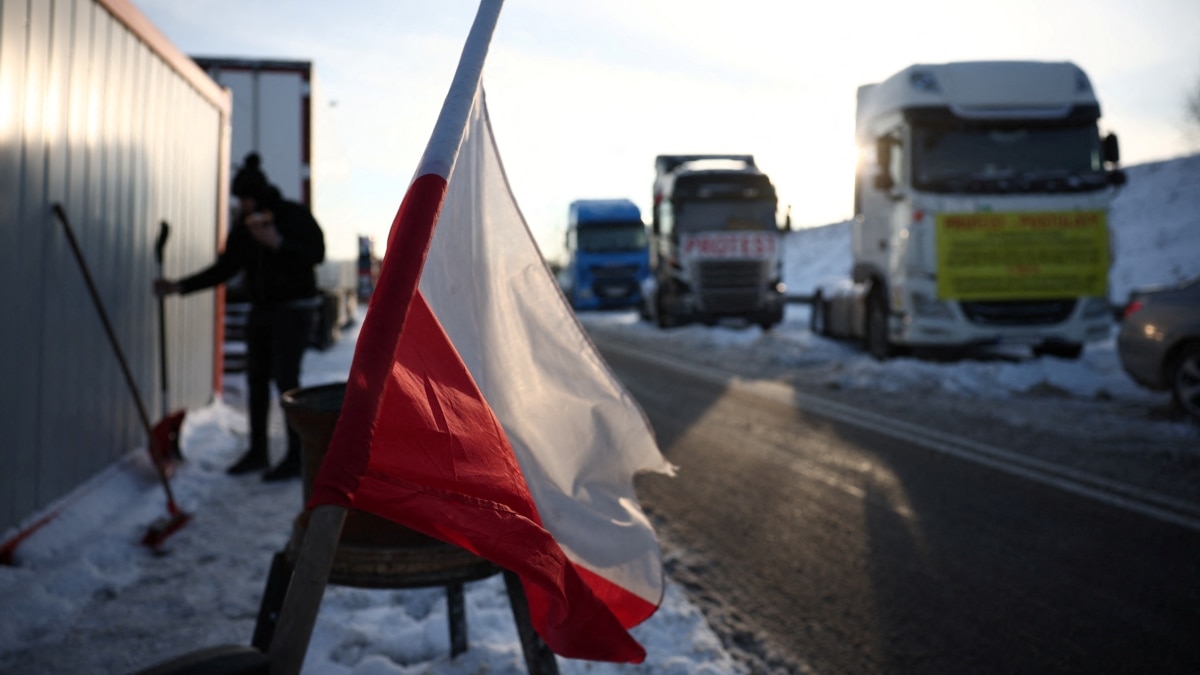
(1022, 256)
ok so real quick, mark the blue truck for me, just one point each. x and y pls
(608, 254)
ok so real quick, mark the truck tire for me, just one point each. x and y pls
(664, 314)
(818, 316)
(1062, 350)
(876, 334)
(1184, 377)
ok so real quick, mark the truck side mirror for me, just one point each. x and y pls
(1112, 151)
(883, 152)
(883, 160)
(1112, 155)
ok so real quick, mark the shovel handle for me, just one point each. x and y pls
(159, 244)
(116, 345)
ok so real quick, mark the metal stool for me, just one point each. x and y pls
(373, 552)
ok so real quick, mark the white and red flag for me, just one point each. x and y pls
(477, 410)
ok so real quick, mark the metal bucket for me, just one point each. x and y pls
(373, 552)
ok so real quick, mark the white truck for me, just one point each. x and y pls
(716, 244)
(272, 115)
(981, 212)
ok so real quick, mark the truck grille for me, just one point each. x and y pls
(621, 272)
(615, 284)
(730, 273)
(1018, 313)
(731, 286)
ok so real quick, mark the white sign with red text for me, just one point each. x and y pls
(730, 246)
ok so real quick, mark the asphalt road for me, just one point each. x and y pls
(820, 545)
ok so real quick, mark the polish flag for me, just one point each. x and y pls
(478, 412)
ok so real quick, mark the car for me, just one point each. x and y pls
(1159, 341)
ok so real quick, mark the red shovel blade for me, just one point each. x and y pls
(165, 526)
(165, 451)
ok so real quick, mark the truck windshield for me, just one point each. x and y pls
(612, 237)
(707, 216)
(979, 159)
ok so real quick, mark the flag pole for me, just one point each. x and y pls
(448, 131)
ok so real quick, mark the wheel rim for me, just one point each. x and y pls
(1187, 383)
(662, 313)
(877, 329)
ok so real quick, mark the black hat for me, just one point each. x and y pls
(250, 182)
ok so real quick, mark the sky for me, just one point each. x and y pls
(85, 597)
(583, 95)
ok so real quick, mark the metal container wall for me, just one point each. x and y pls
(99, 113)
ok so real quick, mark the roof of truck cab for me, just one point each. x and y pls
(980, 89)
(664, 164)
(604, 210)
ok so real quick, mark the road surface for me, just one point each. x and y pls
(862, 546)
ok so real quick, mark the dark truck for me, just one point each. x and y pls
(716, 250)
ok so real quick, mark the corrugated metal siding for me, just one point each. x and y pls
(92, 116)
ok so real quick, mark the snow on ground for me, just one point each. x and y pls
(1156, 226)
(85, 597)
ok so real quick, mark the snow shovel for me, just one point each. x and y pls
(167, 429)
(164, 527)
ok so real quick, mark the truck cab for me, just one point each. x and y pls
(607, 254)
(717, 249)
(981, 211)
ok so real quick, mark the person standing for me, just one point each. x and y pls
(276, 244)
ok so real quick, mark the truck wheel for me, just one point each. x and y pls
(1184, 376)
(770, 319)
(818, 318)
(664, 316)
(1062, 350)
(877, 330)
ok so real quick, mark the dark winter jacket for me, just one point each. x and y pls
(272, 278)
